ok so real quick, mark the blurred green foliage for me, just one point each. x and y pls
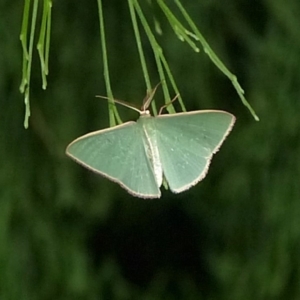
(66, 233)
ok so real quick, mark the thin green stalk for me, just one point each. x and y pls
(48, 34)
(23, 39)
(182, 33)
(214, 58)
(157, 50)
(26, 87)
(140, 50)
(113, 113)
(41, 42)
(42, 46)
(172, 80)
(161, 59)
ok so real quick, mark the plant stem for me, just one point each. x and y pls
(113, 113)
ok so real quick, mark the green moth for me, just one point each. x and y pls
(139, 155)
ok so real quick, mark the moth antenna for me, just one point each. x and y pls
(167, 104)
(121, 102)
(147, 100)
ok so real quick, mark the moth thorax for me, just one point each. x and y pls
(153, 155)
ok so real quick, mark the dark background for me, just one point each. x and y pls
(66, 233)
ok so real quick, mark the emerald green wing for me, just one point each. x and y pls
(119, 154)
(187, 142)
